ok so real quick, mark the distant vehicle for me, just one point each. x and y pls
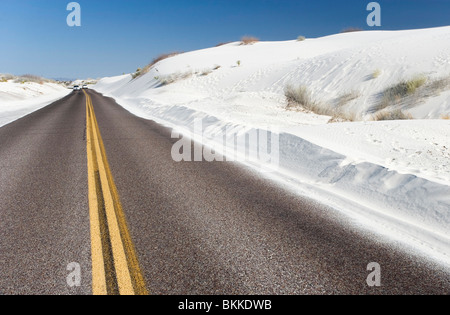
(76, 88)
(85, 87)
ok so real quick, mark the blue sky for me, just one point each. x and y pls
(118, 36)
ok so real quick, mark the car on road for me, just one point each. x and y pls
(76, 88)
(85, 87)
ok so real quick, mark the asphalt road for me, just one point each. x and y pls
(196, 227)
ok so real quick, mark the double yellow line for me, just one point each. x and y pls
(115, 267)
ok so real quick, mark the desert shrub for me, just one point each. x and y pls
(138, 73)
(6, 77)
(411, 86)
(445, 116)
(301, 38)
(341, 115)
(30, 78)
(352, 30)
(438, 85)
(394, 95)
(172, 78)
(206, 72)
(147, 68)
(376, 74)
(161, 58)
(300, 98)
(396, 114)
(222, 44)
(249, 40)
(347, 98)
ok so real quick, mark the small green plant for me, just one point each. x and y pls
(238, 63)
(376, 74)
(138, 73)
(301, 38)
(414, 84)
(6, 77)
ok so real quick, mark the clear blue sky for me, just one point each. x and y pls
(118, 36)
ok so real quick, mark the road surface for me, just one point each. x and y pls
(83, 181)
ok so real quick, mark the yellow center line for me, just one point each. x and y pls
(98, 265)
(126, 269)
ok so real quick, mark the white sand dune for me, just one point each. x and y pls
(391, 176)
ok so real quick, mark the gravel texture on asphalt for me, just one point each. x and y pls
(44, 217)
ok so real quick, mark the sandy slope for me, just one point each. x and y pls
(252, 94)
(18, 100)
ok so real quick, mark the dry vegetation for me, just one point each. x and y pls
(396, 114)
(376, 74)
(26, 78)
(301, 38)
(140, 72)
(301, 99)
(6, 77)
(249, 40)
(393, 103)
(206, 72)
(347, 98)
(352, 30)
(437, 86)
(222, 44)
(401, 93)
(409, 93)
(172, 78)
